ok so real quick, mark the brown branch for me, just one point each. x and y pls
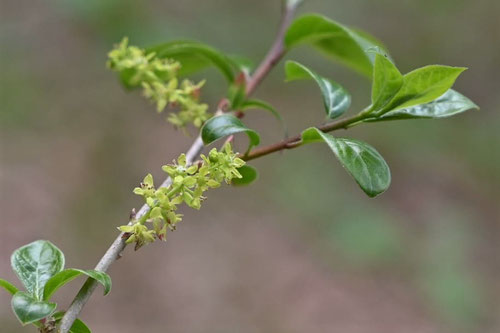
(277, 51)
(295, 141)
(114, 252)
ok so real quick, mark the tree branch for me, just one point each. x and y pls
(295, 141)
(114, 252)
(278, 50)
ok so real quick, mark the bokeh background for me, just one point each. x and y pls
(301, 250)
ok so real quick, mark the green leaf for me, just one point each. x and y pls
(362, 161)
(8, 286)
(28, 309)
(449, 104)
(195, 56)
(337, 41)
(249, 175)
(221, 126)
(78, 326)
(258, 104)
(61, 278)
(35, 264)
(424, 85)
(335, 98)
(236, 95)
(387, 81)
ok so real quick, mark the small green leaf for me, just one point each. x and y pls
(348, 46)
(258, 104)
(249, 175)
(424, 85)
(387, 80)
(236, 95)
(335, 98)
(195, 56)
(449, 104)
(8, 286)
(78, 326)
(361, 160)
(221, 126)
(28, 309)
(35, 264)
(61, 278)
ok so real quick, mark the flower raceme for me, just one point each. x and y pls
(158, 79)
(189, 182)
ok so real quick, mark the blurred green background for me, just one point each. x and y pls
(303, 249)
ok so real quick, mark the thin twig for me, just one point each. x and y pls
(114, 252)
(295, 141)
(277, 51)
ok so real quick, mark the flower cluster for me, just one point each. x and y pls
(158, 78)
(189, 182)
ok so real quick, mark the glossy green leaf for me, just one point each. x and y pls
(65, 276)
(387, 81)
(195, 56)
(348, 46)
(8, 286)
(258, 104)
(35, 264)
(221, 126)
(424, 85)
(335, 98)
(28, 309)
(361, 160)
(249, 175)
(449, 104)
(78, 326)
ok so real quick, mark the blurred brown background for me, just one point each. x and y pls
(303, 249)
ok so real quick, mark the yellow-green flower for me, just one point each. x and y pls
(158, 79)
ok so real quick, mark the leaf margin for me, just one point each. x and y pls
(336, 99)
(231, 125)
(70, 274)
(313, 134)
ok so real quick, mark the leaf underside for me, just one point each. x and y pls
(35, 264)
(346, 45)
(449, 104)
(67, 275)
